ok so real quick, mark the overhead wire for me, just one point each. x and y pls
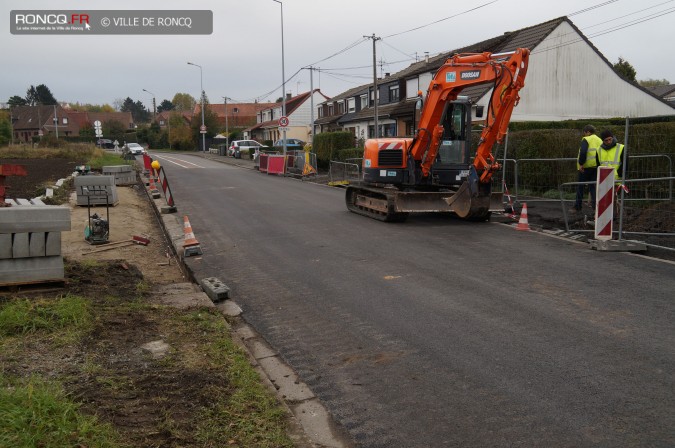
(441, 20)
(363, 39)
(611, 30)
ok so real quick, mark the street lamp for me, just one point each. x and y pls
(154, 105)
(283, 72)
(227, 130)
(201, 85)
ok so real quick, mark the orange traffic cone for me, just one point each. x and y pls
(190, 243)
(523, 224)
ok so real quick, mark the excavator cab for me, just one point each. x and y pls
(452, 160)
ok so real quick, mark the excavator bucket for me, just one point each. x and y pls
(472, 200)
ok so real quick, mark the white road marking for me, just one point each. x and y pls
(177, 161)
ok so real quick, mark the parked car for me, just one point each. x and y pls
(238, 147)
(293, 144)
(105, 143)
(135, 149)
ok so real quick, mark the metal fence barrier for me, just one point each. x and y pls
(344, 173)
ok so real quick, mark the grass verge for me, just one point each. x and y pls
(74, 372)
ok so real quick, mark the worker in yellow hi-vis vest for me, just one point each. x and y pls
(610, 153)
(587, 165)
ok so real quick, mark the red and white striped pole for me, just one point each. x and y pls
(604, 203)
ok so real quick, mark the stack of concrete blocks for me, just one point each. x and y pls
(96, 190)
(30, 242)
(123, 174)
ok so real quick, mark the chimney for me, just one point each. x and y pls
(288, 96)
(426, 57)
(386, 75)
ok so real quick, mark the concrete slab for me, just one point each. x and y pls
(37, 244)
(31, 218)
(5, 245)
(31, 270)
(285, 380)
(20, 245)
(317, 424)
(53, 243)
(229, 308)
(181, 295)
(260, 349)
(157, 349)
(245, 332)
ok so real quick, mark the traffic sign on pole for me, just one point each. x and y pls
(202, 129)
(283, 122)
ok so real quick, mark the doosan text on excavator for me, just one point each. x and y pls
(434, 171)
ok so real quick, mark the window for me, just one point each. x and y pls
(364, 101)
(319, 112)
(393, 94)
(65, 120)
(161, 122)
(341, 107)
(330, 110)
(351, 105)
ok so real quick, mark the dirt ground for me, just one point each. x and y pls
(150, 402)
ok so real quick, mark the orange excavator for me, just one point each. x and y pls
(433, 171)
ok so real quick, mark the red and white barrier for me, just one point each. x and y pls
(165, 187)
(604, 203)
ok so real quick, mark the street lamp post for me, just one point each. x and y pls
(283, 72)
(227, 129)
(154, 105)
(201, 85)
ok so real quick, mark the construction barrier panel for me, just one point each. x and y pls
(165, 187)
(604, 203)
(264, 159)
(276, 164)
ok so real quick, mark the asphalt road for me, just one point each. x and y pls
(438, 332)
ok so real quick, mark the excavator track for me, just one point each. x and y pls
(392, 205)
(373, 203)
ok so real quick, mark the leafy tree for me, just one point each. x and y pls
(114, 130)
(625, 70)
(45, 96)
(40, 95)
(183, 102)
(92, 107)
(87, 130)
(5, 129)
(138, 111)
(165, 105)
(649, 82)
(210, 121)
(180, 135)
(16, 100)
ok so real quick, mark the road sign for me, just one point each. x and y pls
(98, 132)
(202, 129)
(283, 122)
(284, 129)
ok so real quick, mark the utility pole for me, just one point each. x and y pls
(375, 39)
(311, 102)
(56, 122)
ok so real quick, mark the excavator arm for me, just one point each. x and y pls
(506, 71)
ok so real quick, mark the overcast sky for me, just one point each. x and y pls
(241, 59)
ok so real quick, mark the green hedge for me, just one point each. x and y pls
(328, 144)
